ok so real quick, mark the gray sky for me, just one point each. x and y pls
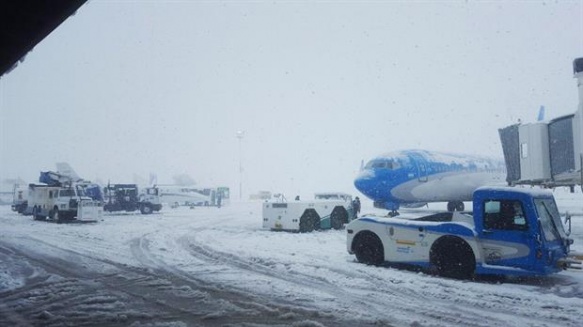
(132, 87)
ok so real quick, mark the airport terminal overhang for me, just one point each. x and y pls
(25, 23)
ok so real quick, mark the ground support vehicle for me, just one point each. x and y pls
(62, 203)
(150, 200)
(19, 198)
(326, 211)
(513, 231)
(126, 197)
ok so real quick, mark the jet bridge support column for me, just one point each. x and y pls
(578, 119)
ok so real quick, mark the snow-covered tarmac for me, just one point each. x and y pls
(217, 267)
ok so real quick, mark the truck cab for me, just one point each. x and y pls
(520, 229)
(150, 200)
(19, 198)
(513, 231)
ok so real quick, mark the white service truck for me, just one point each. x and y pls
(326, 211)
(62, 203)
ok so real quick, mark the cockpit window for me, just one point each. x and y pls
(383, 164)
(369, 165)
(379, 164)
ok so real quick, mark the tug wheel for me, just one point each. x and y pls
(309, 221)
(453, 258)
(338, 218)
(368, 248)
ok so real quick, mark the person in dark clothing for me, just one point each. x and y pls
(219, 201)
(356, 206)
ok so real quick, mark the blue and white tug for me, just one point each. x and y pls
(513, 231)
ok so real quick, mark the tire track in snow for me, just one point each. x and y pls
(70, 296)
(368, 304)
(74, 296)
(393, 298)
(269, 313)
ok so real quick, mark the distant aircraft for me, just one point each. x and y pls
(193, 195)
(64, 169)
(541, 114)
(413, 178)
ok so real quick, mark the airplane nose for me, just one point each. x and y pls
(359, 183)
(366, 185)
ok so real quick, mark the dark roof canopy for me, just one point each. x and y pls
(578, 65)
(24, 23)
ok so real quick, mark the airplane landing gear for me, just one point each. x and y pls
(455, 206)
(393, 213)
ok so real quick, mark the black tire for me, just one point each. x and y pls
(459, 206)
(35, 214)
(146, 209)
(309, 221)
(453, 258)
(455, 206)
(22, 207)
(58, 216)
(368, 248)
(61, 217)
(338, 218)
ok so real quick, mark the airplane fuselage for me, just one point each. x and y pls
(416, 177)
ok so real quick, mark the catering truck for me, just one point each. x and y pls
(513, 231)
(326, 211)
(62, 203)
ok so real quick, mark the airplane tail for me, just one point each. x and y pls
(541, 114)
(65, 169)
(153, 179)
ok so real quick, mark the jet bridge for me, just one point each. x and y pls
(547, 153)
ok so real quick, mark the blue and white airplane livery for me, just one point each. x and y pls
(413, 178)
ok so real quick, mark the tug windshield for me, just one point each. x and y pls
(550, 219)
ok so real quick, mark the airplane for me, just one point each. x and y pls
(177, 195)
(413, 178)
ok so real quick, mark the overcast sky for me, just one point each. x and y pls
(135, 87)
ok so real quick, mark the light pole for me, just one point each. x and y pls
(240, 135)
